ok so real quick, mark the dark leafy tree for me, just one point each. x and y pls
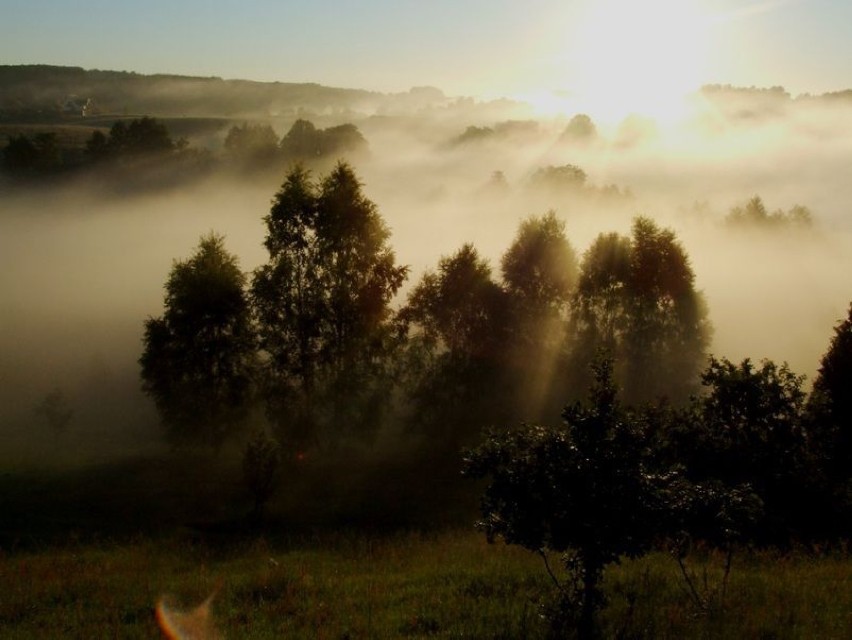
(343, 140)
(323, 308)
(142, 136)
(39, 155)
(251, 145)
(539, 274)
(540, 267)
(49, 156)
(198, 358)
(97, 146)
(830, 424)
(831, 396)
(636, 297)
(457, 305)
(584, 490)
(457, 318)
(747, 431)
(20, 156)
(304, 142)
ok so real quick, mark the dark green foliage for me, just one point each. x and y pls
(539, 274)
(142, 136)
(252, 145)
(34, 156)
(97, 146)
(459, 305)
(198, 358)
(747, 432)
(752, 419)
(636, 298)
(540, 268)
(138, 151)
(712, 512)
(304, 142)
(141, 152)
(322, 304)
(584, 489)
(20, 155)
(457, 320)
(830, 425)
(342, 140)
(832, 396)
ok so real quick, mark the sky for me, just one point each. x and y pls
(605, 50)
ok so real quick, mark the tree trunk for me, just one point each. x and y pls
(587, 628)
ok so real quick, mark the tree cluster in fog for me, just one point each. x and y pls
(335, 360)
(754, 215)
(142, 151)
(332, 351)
(314, 338)
(322, 308)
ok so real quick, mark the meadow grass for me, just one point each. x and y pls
(403, 585)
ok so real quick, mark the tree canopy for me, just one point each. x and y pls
(830, 422)
(304, 142)
(140, 136)
(322, 304)
(754, 215)
(198, 358)
(540, 273)
(584, 489)
(636, 297)
(251, 144)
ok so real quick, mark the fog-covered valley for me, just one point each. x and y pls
(82, 268)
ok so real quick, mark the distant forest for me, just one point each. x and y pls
(43, 92)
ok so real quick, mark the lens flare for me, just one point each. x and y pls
(192, 624)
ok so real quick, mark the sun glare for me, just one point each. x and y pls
(639, 57)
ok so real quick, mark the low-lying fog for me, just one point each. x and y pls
(79, 273)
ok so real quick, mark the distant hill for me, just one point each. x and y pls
(39, 92)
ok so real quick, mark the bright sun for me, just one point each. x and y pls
(629, 56)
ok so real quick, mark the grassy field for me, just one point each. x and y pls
(352, 549)
(404, 585)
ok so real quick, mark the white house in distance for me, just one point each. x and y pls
(75, 105)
